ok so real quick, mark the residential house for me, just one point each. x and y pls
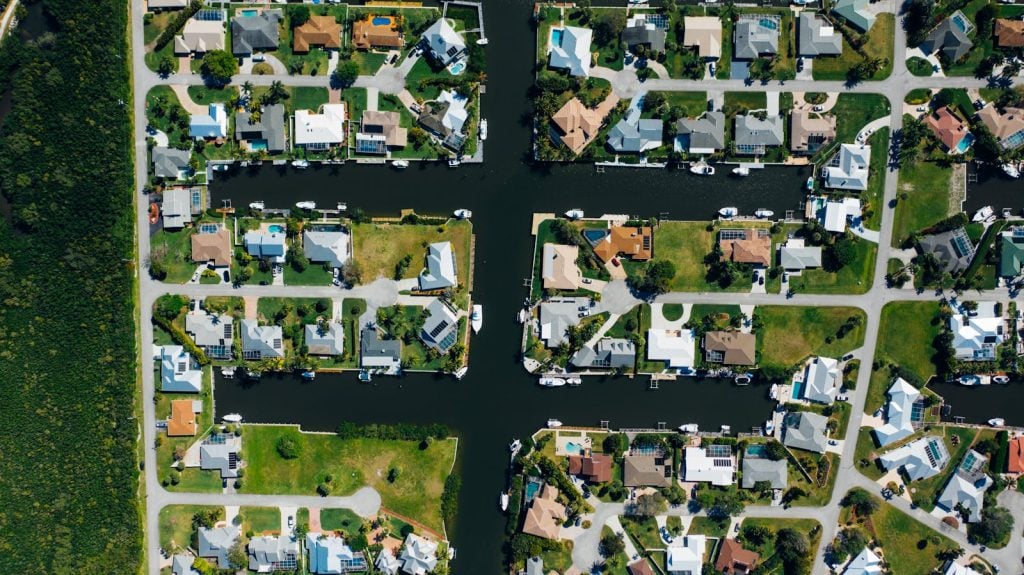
(756, 35)
(160, 5)
(676, 347)
(953, 568)
(633, 135)
(646, 471)
(445, 118)
(176, 208)
(379, 131)
(730, 347)
(607, 353)
(221, 453)
(214, 544)
(440, 272)
(181, 564)
(182, 422)
(639, 567)
(965, 491)
(545, 516)
(593, 468)
(325, 339)
(387, 563)
(1011, 252)
(810, 131)
(211, 125)
(757, 469)
(833, 217)
(558, 267)
(637, 243)
(754, 135)
(576, 124)
(685, 555)
(865, 563)
(953, 249)
(1009, 33)
(367, 34)
(714, 464)
(704, 33)
(320, 131)
(268, 553)
(977, 334)
(640, 31)
(795, 256)
(920, 459)
(703, 135)
(179, 373)
(265, 132)
(266, 245)
(558, 315)
(1007, 124)
(534, 566)
(212, 333)
(444, 44)
(733, 559)
(1015, 455)
(261, 341)
(822, 380)
(212, 247)
(572, 52)
(440, 330)
(379, 355)
(949, 38)
(899, 422)
(856, 13)
(817, 36)
(751, 246)
(332, 248)
(805, 430)
(950, 130)
(319, 31)
(171, 163)
(257, 33)
(329, 555)
(200, 35)
(849, 168)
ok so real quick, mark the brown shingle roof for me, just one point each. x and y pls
(388, 124)
(578, 124)
(821, 127)
(734, 347)
(182, 420)
(637, 243)
(545, 516)
(641, 567)
(753, 248)
(645, 470)
(366, 35)
(1009, 33)
(1002, 125)
(317, 31)
(215, 247)
(947, 127)
(596, 469)
(733, 558)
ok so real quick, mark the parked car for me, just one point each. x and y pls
(712, 69)
(195, 277)
(225, 275)
(582, 308)
(799, 64)
(259, 58)
(392, 59)
(848, 357)
(818, 108)
(760, 280)
(665, 536)
(615, 262)
(588, 281)
(291, 521)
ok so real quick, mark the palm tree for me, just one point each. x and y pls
(247, 88)
(277, 92)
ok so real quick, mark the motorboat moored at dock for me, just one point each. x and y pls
(553, 423)
(574, 214)
(463, 213)
(476, 319)
(232, 418)
(307, 205)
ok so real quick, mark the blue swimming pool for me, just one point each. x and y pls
(257, 145)
(275, 229)
(798, 390)
(961, 22)
(755, 450)
(556, 36)
(531, 489)
(457, 68)
(594, 236)
(250, 12)
(769, 24)
(381, 21)
(964, 143)
(573, 448)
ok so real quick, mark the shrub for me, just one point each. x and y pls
(289, 446)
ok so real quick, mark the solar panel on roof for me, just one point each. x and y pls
(443, 325)
(718, 451)
(209, 15)
(227, 330)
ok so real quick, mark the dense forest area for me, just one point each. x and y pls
(68, 465)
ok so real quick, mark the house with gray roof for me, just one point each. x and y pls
(333, 248)
(171, 163)
(703, 135)
(181, 564)
(757, 469)
(953, 249)
(261, 341)
(949, 39)
(214, 544)
(212, 333)
(379, 355)
(754, 135)
(817, 36)
(557, 315)
(639, 31)
(608, 353)
(856, 13)
(440, 271)
(220, 452)
(795, 256)
(268, 129)
(822, 379)
(634, 137)
(258, 33)
(966, 488)
(756, 34)
(805, 430)
(176, 208)
(179, 372)
(440, 330)
(325, 339)
(329, 555)
(268, 553)
(920, 459)
(269, 245)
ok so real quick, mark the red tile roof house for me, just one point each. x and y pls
(593, 469)
(949, 129)
(1015, 461)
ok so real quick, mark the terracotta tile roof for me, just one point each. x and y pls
(388, 124)
(366, 35)
(317, 31)
(731, 347)
(637, 243)
(733, 558)
(1009, 33)
(215, 247)
(753, 248)
(641, 567)
(1015, 463)
(1002, 125)
(947, 127)
(545, 516)
(578, 124)
(182, 420)
(595, 469)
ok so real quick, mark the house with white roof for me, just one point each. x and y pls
(181, 564)
(865, 563)
(834, 215)
(261, 341)
(419, 556)
(333, 248)
(443, 42)
(714, 464)
(849, 168)
(212, 333)
(268, 553)
(954, 568)
(440, 270)
(977, 333)
(676, 347)
(329, 555)
(212, 124)
(176, 208)
(822, 380)
(387, 563)
(920, 459)
(200, 36)
(325, 339)
(572, 51)
(899, 424)
(179, 373)
(685, 555)
(320, 131)
(966, 488)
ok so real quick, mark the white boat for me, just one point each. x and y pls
(461, 372)
(309, 375)
(689, 428)
(773, 392)
(481, 41)
(463, 214)
(515, 446)
(574, 214)
(476, 319)
(1001, 379)
(554, 423)
(982, 214)
(763, 213)
(220, 167)
(342, 207)
(365, 376)
(1007, 212)
(256, 205)
(232, 418)
(300, 164)
(702, 169)
(997, 422)
(227, 372)
(1011, 170)
(728, 212)
(743, 379)
(454, 163)
(552, 381)
(400, 164)
(969, 380)
(306, 205)
(574, 380)
(769, 427)
(522, 316)
(810, 183)
(726, 430)
(483, 129)
(503, 501)
(741, 171)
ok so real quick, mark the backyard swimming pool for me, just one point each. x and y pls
(556, 36)
(249, 12)
(457, 68)
(573, 448)
(961, 22)
(964, 143)
(381, 21)
(257, 145)
(593, 236)
(769, 24)
(798, 390)
(275, 229)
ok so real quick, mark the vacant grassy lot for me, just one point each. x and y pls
(854, 278)
(352, 464)
(308, 97)
(873, 199)
(741, 101)
(379, 247)
(901, 537)
(686, 244)
(644, 532)
(854, 111)
(176, 524)
(926, 185)
(879, 45)
(905, 338)
(260, 519)
(793, 333)
(344, 520)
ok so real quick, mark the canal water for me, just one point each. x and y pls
(993, 188)
(980, 403)
(497, 400)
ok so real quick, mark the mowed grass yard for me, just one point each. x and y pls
(854, 278)
(686, 244)
(901, 535)
(176, 524)
(352, 463)
(379, 247)
(905, 338)
(792, 333)
(879, 45)
(767, 550)
(926, 185)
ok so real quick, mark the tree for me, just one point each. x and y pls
(995, 526)
(277, 92)
(840, 254)
(612, 545)
(609, 25)
(345, 74)
(774, 450)
(756, 534)
(650, 505)
(219, 66)
(394, 473)
(918, 20)
(289, 446)
(237, 556)
(166, 66)
(298, 15)
(794, 550)
(656, 277)
(862, 502)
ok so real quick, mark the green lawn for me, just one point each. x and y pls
(792, 333)
(686, 244)
(176, 524)
(344, 520)
(260, 519)
(352, 463)
(901, 537)
(879, 44)
(854, 278)
(351, 309)
(378, 248)
(369, 62)
(415, 81)
(707, 526)
(919, 66)
(918, 96)
(308, 98)
(767, 550)
(355, 103)
(926, 185)
(905, 338)
(204, 95)
(644, 531)
(672, 311)
(854, 111)
(866, 452)
(741, 101)
(175, 250)
(693, 103)
(873, 199)
(313, 275)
